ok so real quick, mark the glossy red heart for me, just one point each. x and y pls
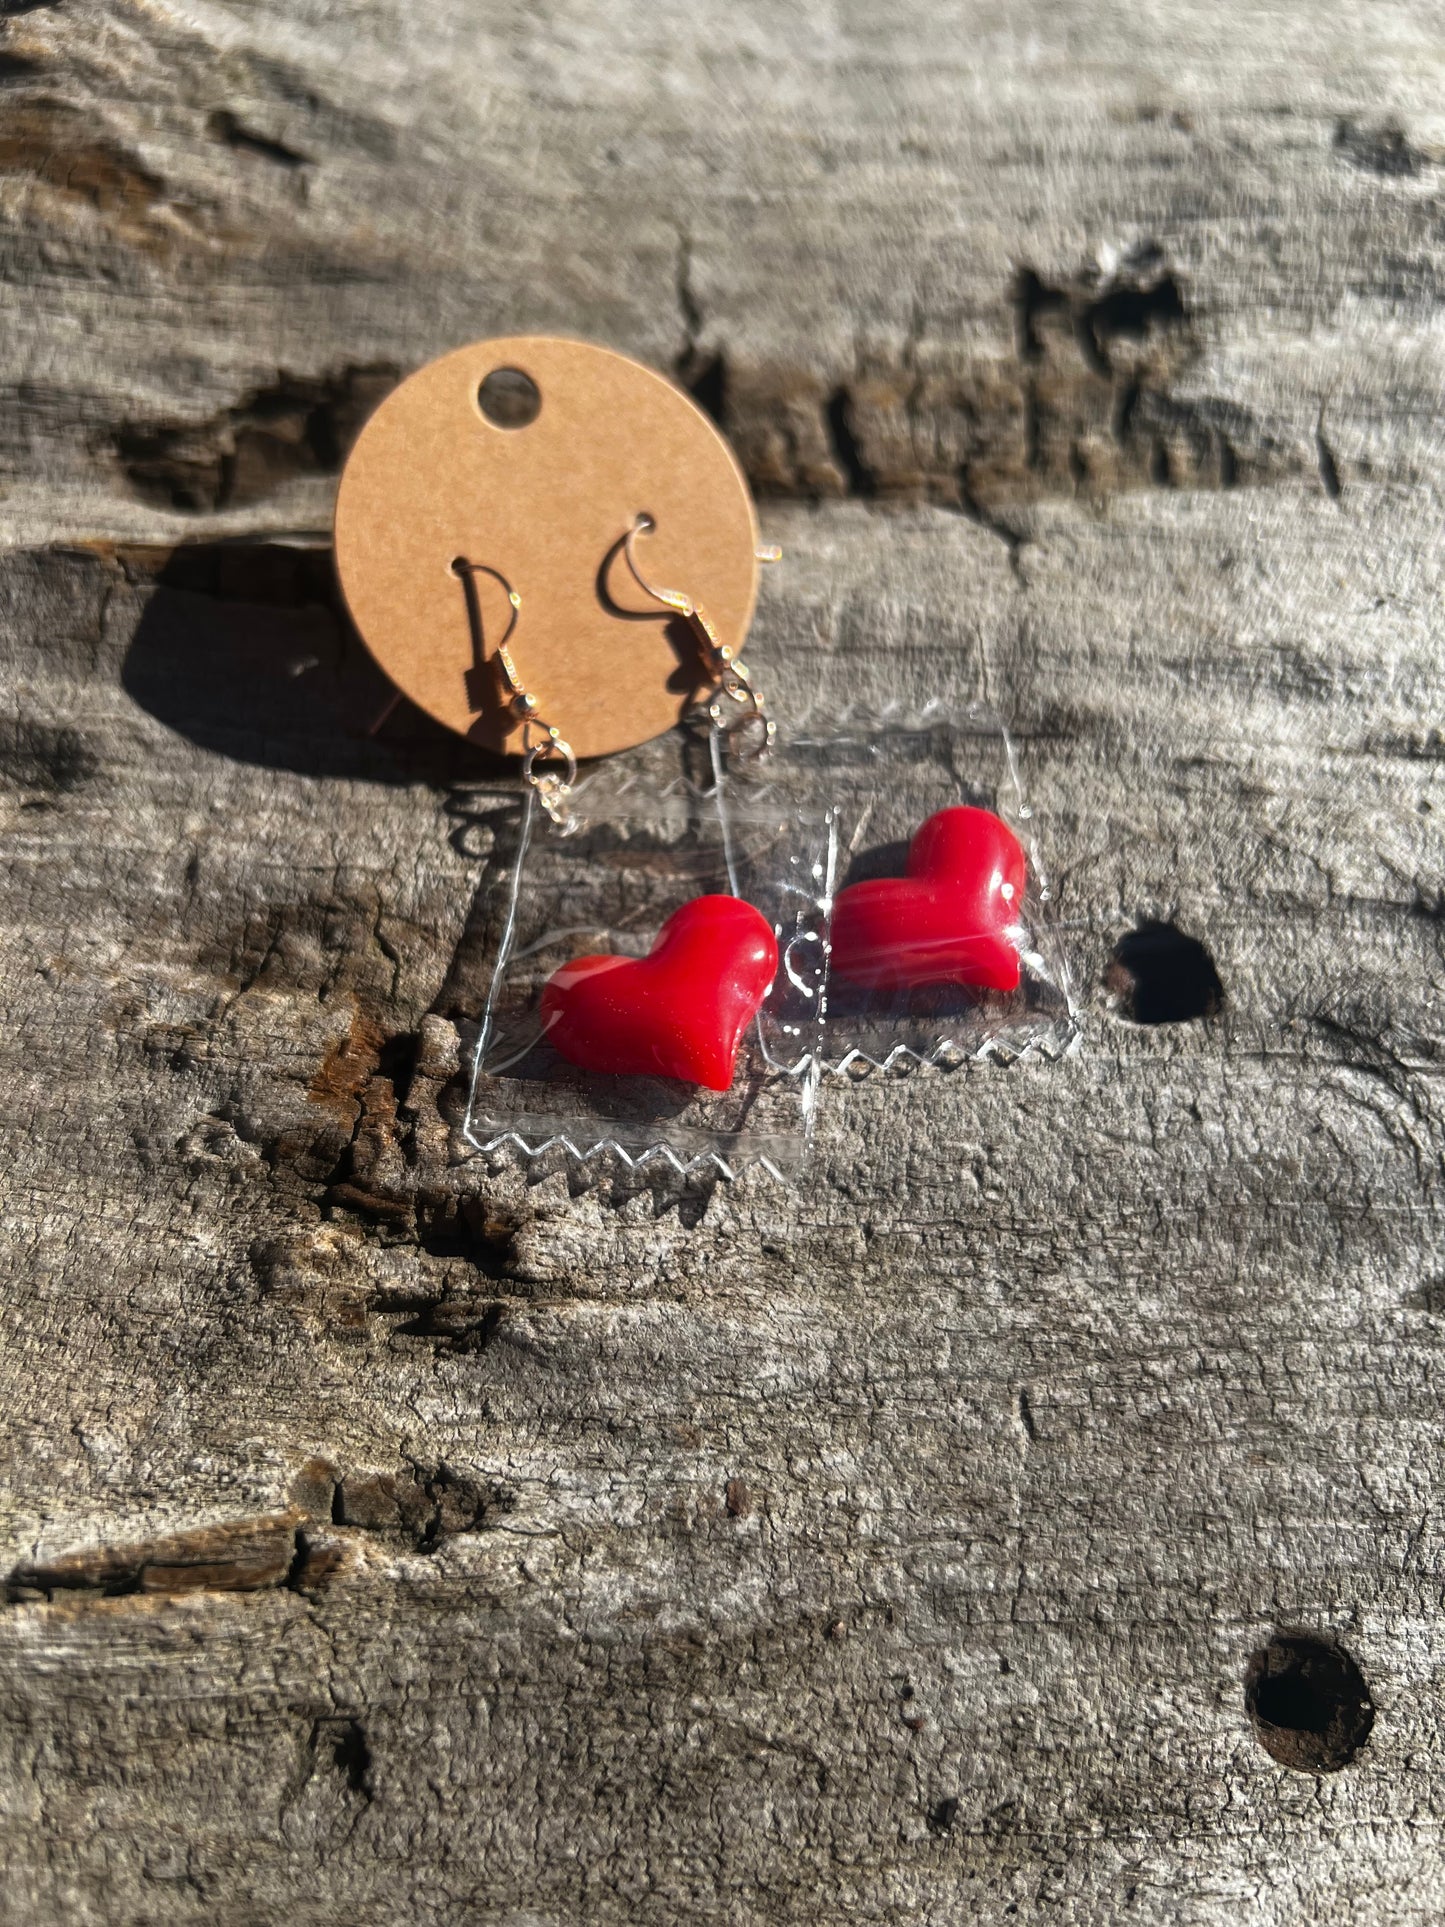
(678, 1012)
(949, 920)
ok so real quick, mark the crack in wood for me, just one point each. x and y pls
(1088, 405)
(297, 425)
(302, 1549)
(232, 131)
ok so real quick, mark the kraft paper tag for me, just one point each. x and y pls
(432, 480)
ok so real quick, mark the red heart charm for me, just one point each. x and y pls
(948, 920)
(678, 1012)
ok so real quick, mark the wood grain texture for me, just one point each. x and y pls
(396, 1538)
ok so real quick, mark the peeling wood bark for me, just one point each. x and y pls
(1036, 1512)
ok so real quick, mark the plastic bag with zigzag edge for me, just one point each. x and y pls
(634, 850)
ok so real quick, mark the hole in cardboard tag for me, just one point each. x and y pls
(509, 398)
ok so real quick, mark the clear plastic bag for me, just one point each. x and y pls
(632, 853)
(889, 773)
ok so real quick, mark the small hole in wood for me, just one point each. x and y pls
(1308, 1702)
(942, 1814)
(1158, 975)
(509, 399)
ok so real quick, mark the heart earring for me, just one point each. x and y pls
(678, 1012)
(548, 764)
(954, 917)
(746, 724)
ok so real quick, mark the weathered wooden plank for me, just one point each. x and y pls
(395, 1537)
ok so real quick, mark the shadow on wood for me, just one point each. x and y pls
(246, 648)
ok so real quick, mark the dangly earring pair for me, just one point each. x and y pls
(733, 703)
(955, 917)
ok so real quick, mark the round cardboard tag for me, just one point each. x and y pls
(440, 477)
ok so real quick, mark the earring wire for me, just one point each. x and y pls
(731, 681)
(548, 764)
